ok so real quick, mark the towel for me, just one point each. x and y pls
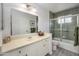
(76, 42)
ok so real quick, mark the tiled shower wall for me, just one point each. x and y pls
(65, 12)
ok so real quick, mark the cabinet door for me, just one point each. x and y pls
(43, 47)
(22, 51)
(32, 50)
(38, 49)
(17, 52)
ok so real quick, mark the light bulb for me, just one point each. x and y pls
(34, 10)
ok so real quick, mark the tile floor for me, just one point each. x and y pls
(63, 52)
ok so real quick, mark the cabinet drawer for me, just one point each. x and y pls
(17, 52)
(39, 48)
(22, 51)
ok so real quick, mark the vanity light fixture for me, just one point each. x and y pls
(30, 8)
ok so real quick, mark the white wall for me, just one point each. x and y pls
(43, 16)
(42, 13)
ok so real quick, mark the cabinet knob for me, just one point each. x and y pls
(44, 45)
(19, 51)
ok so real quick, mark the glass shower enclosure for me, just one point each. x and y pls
(63, 28)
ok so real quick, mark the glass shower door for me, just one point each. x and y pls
(68, 28)
(55, 29)
(63, 28)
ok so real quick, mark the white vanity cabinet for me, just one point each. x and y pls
(39, 48)
(17, 52)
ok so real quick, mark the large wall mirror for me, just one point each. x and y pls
(23, 23)
(0, 15)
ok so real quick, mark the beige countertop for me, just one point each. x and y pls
(19, 42)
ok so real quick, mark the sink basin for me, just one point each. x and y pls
(29, 37)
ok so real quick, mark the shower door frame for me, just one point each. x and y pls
(61, 24)
(61, 39)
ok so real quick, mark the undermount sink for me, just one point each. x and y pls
(29, 38)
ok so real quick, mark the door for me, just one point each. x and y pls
(68, 28)
(55, 28)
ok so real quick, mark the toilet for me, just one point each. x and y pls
(55, 44)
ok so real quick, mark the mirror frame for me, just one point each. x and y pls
(2, 27)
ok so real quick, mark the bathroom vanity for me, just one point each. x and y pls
(28, 45)
(24, 40)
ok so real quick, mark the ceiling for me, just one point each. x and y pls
(57, 7)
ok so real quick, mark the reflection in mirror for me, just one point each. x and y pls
(1, 16)
(23, 23)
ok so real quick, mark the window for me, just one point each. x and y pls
(68, 20)
(61, 21)
(65, 20)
